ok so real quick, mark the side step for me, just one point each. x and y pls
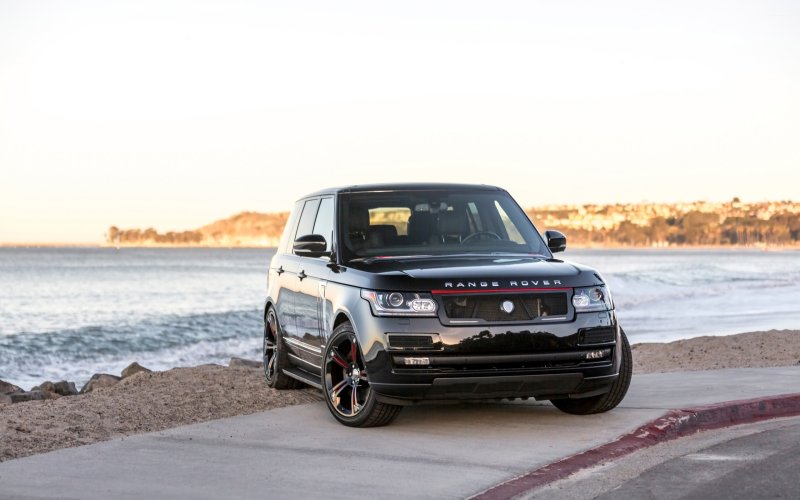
(303, 376)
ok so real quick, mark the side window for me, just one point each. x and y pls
(289, 229)
(475, 224)
(511, 229)
(324, 222)
(391, 216)
(306, 224)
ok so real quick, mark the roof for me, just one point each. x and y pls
(405, 186)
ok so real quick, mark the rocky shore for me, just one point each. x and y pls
(57, 415)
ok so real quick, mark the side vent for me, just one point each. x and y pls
(590, 336)
(416, 342)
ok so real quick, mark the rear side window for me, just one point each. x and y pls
(324, 222)
(288, 230)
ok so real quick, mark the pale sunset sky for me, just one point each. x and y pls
(172, 114)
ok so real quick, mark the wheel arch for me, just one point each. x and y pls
(267, 304)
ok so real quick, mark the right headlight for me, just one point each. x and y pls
(592, 298)
(400, 303)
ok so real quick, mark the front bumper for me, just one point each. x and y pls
(543, 361)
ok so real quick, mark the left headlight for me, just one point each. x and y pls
(592, 298)
(400, 303)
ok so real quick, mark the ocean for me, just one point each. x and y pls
(67, 313)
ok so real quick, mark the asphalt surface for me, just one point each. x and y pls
(759, 460)
(449, 451)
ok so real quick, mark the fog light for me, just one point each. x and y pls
(602, 353)
(417, 361)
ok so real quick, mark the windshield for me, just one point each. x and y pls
(417, 223)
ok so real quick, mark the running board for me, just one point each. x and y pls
(303, 377)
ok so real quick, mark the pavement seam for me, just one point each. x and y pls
(672, 425)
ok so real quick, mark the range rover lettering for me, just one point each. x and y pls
(388, 295)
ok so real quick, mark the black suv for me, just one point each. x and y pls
(387, 295)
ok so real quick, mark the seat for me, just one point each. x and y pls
(381, 235)
(420, 227)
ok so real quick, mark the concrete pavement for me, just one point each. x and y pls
(757, 460)
(429, 452)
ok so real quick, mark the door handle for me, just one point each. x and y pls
(279, 271)
(302, 275)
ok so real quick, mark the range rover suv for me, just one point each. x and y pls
(388, 295)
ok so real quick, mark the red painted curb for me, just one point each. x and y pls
(671, 425)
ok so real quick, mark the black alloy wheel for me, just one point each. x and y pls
(275, 355)
(348, 394)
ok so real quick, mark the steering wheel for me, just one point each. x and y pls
(481, 233)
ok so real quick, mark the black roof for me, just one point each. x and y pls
(405, 186)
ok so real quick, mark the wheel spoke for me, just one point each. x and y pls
(353, 350)
(354, 408)
(337, 389)
(271, 365)
(337, 358)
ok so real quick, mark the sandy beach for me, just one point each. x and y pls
(147, 402)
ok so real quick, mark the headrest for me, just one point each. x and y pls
(420, 226)
(454, 222)
(359, 219)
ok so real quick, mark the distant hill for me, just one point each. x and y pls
(245, 229)
(639, 225)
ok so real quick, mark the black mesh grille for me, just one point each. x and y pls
(526, 306)
(411, 341)
(597, 336)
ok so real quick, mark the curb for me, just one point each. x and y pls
(671, 425)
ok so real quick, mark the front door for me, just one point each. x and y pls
(312, 275)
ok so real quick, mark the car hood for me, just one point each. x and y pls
(475, 273)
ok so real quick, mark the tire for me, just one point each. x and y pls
(609, 400)
(345, 383)
(275, 357)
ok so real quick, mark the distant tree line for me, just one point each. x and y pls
(738, 226)
(697, 228)
(150, 236)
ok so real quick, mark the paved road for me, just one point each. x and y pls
(300, 452)
(751, 461)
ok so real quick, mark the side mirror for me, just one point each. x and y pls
(556, 241)
(311, 245)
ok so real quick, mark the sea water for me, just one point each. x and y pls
(66, 313)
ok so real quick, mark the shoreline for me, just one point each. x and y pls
(573, 246)
(147, 401)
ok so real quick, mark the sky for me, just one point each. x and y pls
(173, 114)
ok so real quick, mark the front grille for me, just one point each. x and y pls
(526, 306)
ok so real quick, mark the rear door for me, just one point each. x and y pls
(283, 273)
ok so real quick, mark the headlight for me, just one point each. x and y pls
(592, 298)
(400, 303)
